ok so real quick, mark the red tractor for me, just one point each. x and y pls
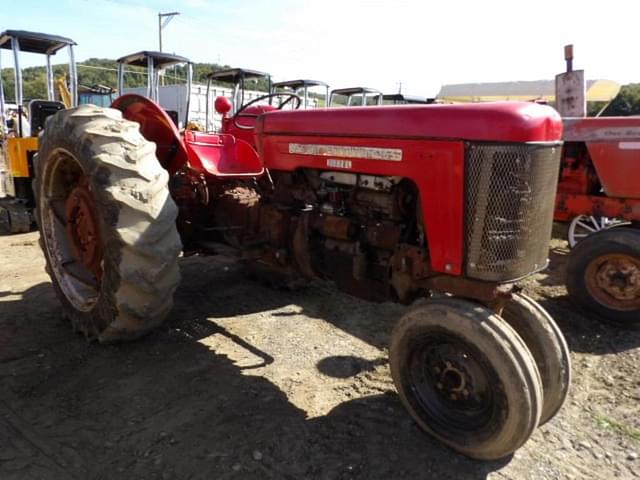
(599, 194)
(451, 203)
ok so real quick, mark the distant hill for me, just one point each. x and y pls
(97, 71)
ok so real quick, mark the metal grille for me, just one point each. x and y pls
(510, 193)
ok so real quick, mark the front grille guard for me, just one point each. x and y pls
(510, 195)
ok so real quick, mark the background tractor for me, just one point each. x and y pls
(355, 96)
(19, 129)
(314, 93)
(239, 114)
(599, 195)
(449, 203)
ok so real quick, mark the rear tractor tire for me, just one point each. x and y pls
(466, 377)
(107, 224)
(603, 275)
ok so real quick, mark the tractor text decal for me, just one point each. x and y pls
(367, 153)
(335, 163)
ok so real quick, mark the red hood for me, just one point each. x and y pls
(498, 122)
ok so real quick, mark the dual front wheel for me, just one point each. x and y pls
(478, 381)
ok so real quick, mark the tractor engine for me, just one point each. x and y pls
(345, 226)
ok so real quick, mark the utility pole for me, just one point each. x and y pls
(161, 24)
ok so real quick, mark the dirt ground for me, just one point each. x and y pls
(248, 382)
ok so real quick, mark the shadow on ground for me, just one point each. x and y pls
(169, 407)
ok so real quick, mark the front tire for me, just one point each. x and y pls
(548, 347)
(603, 275)
(107, 223)
(466, 377)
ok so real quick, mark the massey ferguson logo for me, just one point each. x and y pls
(335, 163)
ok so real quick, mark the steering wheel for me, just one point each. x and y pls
(290, 98)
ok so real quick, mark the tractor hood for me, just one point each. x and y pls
(489, 122)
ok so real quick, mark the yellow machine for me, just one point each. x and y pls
(19, 127)
(99, 95)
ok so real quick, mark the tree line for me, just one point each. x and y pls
(102, 71)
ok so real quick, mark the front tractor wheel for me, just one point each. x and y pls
(466, 377)
(107, 223)
(548, 347)
(603, 275)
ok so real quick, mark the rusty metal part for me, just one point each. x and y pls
(83, 229)
(301, 250)
(614, 281)
(491, 294)
(383, 235)
(367, 201)
(275, 225)
(411, 260)
(411, 273)
(333, 226)
(409, 264)
(188, 186)
(236, 212)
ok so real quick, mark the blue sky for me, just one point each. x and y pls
(422, 44)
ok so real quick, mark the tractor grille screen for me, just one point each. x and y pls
(510, 194)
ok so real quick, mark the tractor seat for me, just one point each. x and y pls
(222, 155)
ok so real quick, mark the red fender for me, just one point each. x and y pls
(156, 126)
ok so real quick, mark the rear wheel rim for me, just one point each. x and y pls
(584, 225)
(613, 280)
(71, 233)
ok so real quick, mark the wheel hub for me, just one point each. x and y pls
(617, 278)
(82, 228)
(452, 381)
(458, 379)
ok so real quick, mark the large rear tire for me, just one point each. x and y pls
(548, 347)
(603, 275)
(107, 223)
(466, 377)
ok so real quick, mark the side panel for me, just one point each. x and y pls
(17, 157)
(436, 167)
(569, 206)
(618, 167)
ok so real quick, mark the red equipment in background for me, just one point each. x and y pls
(599, 194)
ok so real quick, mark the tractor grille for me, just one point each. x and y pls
(510, 194)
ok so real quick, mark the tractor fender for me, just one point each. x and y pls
(156, 126)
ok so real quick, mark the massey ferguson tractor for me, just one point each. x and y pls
(449, 203)
(599, 194)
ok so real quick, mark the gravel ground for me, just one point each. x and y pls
(248, 382)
